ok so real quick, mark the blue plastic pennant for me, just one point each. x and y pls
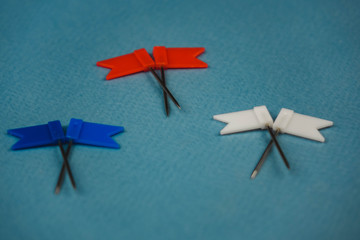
(36, 136)
(92, 133)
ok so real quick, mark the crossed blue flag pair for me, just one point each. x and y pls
(78, 132)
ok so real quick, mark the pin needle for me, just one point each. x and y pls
(278, 146)
(164, 87)
(263, 157)
(62, 172)
(165, 95)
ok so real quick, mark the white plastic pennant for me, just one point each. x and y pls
(256, 118)
(300, 125)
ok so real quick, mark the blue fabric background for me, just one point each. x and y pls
(176, 178)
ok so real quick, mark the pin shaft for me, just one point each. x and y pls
(263, 157)
(166, 102)
(278, 147)
(164, 87)
(64, 166)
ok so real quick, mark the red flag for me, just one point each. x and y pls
(178, 57)
(138, 61)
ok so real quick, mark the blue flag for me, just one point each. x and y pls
(92, 133)
(36, 136)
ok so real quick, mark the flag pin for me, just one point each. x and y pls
(78, 132)
(295, 124)
(256, 118)
(286, 122)
(164, 58)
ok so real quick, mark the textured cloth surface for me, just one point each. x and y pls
(176, 177)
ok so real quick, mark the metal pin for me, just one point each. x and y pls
(278, 146)
(263, 157)
(166, 102)
(65, 165)
(164, 87)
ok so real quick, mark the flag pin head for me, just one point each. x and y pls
(256, 118)
(247, 120)
(94, 134)
(38, 136)
(301, 125)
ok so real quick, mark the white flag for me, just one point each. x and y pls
(256, 118)
(300, 125)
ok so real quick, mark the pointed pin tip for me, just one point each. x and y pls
(178, 106)
(254, 174)
(57, 190)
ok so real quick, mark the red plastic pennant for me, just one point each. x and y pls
(138, 61)
(178, 57)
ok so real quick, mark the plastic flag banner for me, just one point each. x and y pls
(36, 136)
(138, 61)
(92, 133)
(300, 125)
(178, 57)
(256, 118)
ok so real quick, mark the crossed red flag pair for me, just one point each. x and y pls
(164, 58)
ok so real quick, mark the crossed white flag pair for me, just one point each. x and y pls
(286, 122)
